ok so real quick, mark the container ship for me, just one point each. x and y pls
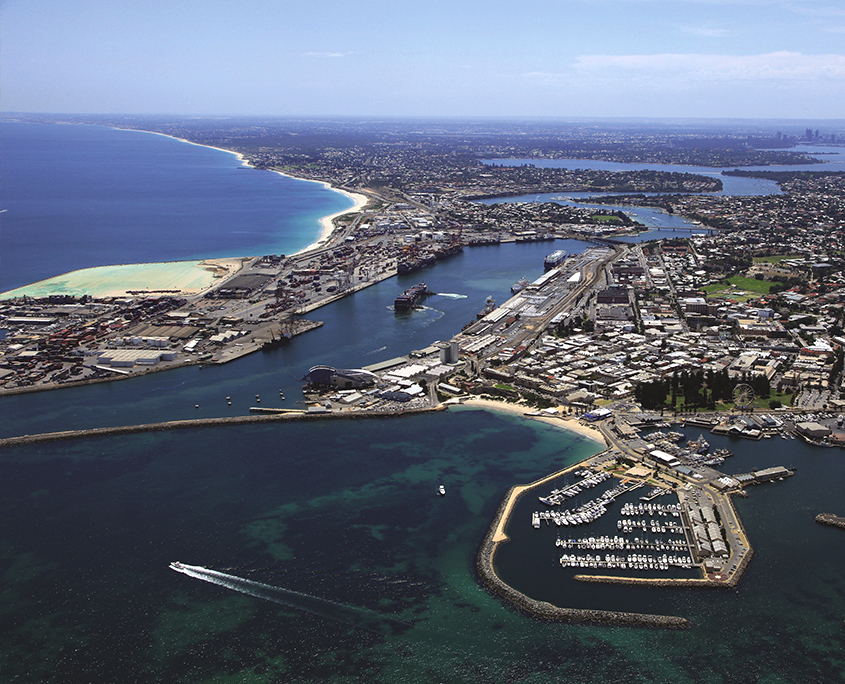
(414, 262)
(555, 259)
(409, 297)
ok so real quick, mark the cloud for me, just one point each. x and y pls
(814, 8)
(327, 54)
(778, 66)
(706, 31)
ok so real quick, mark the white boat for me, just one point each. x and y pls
(441, 490)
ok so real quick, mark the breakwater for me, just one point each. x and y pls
(542, 609)
(205, 422)
(831, 519)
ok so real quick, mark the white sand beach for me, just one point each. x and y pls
(567, 423)
(327, 222)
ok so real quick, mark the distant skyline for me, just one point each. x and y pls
(556, 58)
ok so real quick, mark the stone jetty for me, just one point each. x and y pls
(831, 519)
(203, 422)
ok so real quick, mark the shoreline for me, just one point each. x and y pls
(570, 424)
(326, 222)
(327, 229)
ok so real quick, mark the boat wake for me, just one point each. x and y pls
(451, 295)
(350, 615)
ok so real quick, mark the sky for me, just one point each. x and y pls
(545, 58)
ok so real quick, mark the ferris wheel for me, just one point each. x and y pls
(743, 396)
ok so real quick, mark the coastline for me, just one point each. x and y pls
(326, 222)
(229, 265)
(571, 424)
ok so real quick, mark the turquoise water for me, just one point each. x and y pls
(348, 512)
(105, 281)
(79, 196)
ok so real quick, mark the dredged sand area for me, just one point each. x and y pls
(171, 277)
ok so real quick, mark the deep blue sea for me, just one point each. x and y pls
(346, 514)
(75, 196)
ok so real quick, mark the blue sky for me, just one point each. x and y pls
(563, 58)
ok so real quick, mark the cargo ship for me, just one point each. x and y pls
(409, 297)
(489, 307)
(411, 264)
(520, 285)
(555, 259)
(414, 262)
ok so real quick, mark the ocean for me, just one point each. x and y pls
(76, 196)
(351, 567)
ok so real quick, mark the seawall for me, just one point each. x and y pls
(831, 519)
(203, 422)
